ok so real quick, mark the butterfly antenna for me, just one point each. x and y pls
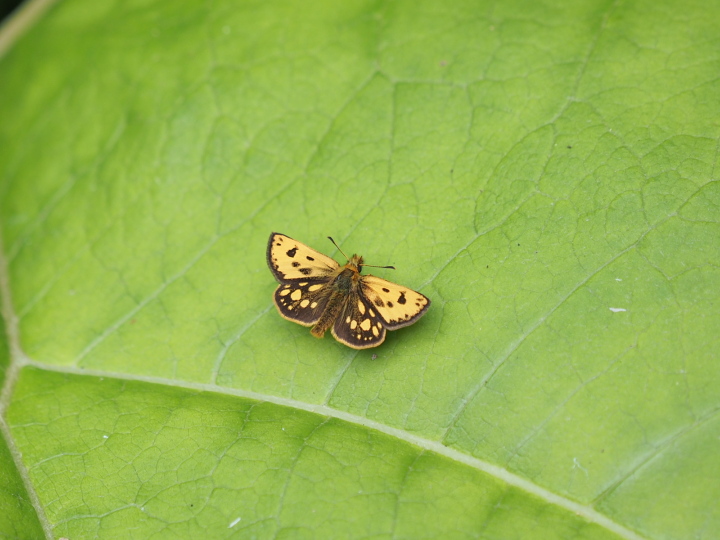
(340, 250)
(348, 258)
(373, 266)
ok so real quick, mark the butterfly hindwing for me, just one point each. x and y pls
(398, 306)
(303, 301)
(291, 260)
(358, 324)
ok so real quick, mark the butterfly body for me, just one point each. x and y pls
(342, 286)
(316, 291)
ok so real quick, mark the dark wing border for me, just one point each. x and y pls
(268, 258)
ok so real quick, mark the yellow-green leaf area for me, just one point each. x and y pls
(545, 172)
(18, 518)
(185, 463)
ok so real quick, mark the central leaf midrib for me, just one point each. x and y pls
(587, 512)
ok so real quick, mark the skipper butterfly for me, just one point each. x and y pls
(316, 291)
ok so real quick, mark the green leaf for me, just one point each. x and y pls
(545, 173)
(18, 518)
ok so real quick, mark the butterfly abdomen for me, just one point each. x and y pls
(341, 288)
(328, 317)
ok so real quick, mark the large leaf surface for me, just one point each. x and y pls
(18, 518)
(545, 173)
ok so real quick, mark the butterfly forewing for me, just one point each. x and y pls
(358, 324)
(397, 306)
(303, 302)
(291, 261)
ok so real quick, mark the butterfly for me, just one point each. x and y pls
(316, 291)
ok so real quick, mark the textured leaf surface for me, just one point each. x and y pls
(546, 174)
(195, 464)
(18, 518)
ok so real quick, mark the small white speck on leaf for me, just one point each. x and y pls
(235, 522)
(576, 465)
(105, 436)
(618, 279)
(617, 309)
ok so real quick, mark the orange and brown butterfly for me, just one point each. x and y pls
(316, 291)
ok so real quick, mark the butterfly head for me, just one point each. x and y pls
(356, 262)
